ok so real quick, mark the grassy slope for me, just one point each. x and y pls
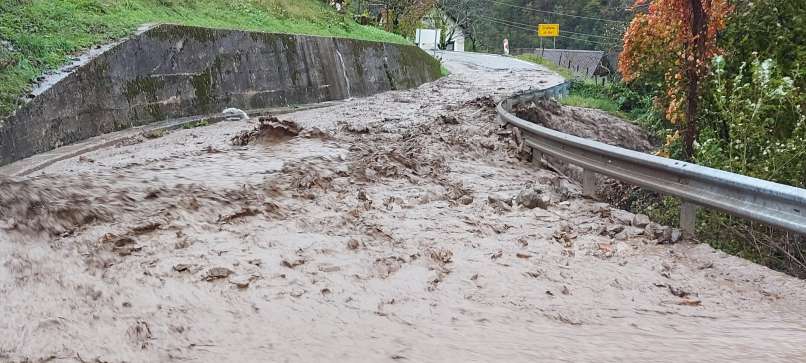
(562, 71)
(44, 33)
(576, 99)
(587, 101)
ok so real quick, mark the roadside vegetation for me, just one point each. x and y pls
(614, 97)
(618, 100)
(444, 71)
(733, 102)
(41, 35)
(749, 240)
(533, 58)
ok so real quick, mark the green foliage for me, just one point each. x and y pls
(193, 125)
(38, 35)
(768, 29)
(533, 58)
(404, 16)
(755, 125)
(622, 96)
(603, 104)
(513, 20)
(753, 122)
(619, 100)
(444, 71)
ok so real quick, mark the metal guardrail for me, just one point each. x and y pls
(775, 204)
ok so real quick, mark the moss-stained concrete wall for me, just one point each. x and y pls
(174, 71)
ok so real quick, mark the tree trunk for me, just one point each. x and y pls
(694, 65)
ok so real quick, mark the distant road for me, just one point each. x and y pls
(462, 62)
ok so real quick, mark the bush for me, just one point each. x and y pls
(753, 123)
(771, 29)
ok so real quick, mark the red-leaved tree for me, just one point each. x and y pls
(673, 42)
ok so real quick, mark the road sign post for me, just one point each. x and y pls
(548, 31)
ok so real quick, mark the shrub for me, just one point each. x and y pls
(753, 124)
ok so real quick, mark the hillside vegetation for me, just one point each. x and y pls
(749, 119)
(736, 105)
(38, 35)
(584, 24)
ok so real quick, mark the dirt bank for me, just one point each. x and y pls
(587, 123)
(384, 229)
(593, 125)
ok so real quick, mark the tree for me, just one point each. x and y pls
(403, 16)
(465, 17)
(584, 24)
(673, 42)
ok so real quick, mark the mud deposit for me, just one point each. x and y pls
(587, 123)
(593, 125)
(401, 227)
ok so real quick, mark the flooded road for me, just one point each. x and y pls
(391, 228)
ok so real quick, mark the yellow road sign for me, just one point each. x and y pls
(548, 30)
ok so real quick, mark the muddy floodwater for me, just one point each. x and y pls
(405, 227)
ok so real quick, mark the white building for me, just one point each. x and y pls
(455, 36)
(427, 39)
(445, 26)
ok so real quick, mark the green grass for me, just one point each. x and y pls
(603, 104)
(583, 93)
(444, 71)
(43, 34)
(193, 125)
(620, 101)
(532, 58)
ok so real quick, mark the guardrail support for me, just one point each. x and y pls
(688, 218)
(537, 157)
(588, 183)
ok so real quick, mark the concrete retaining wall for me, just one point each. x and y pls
(172, 71)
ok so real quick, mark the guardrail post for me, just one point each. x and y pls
(537, 157)
(588, 183)
(688, 218)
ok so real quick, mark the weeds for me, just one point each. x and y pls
(193, 125)
(532, 58)
(592, 102)
(154, 134)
